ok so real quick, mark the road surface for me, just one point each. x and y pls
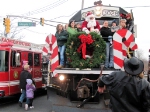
(40, 103)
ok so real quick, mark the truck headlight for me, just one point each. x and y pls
(61, 77)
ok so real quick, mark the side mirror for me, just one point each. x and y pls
(17, 59)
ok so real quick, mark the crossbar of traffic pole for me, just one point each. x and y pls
(34, 18)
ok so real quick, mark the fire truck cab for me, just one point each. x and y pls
(12, 53)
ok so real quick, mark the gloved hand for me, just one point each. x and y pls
(96, 30)
(87, 31)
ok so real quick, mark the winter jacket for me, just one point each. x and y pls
(61, 37)
(116, 28)
(130, 25)
(105, 32)
(72, 31)
(128, 93)
(23, 76)
(30, 88)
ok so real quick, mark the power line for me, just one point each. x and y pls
(40, 8)
(36, 32)
(63, 16)
(136, 7)
(44, 10)
(48, 7)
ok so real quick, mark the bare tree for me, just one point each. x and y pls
(139, 54)
(14, 31)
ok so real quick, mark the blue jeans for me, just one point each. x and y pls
(62, 54)
(109, 61)
(110, 39)
(23, 96)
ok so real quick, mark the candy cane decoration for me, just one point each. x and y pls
(119, 47)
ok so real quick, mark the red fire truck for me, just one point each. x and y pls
(12, 53)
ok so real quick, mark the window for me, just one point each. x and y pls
(30, 59)
(13, 63)
(15, 59)
(36, 59)
(4, 61)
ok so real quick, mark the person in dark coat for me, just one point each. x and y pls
(61, 36)
(25, 74)
(107, 35)
(129, 23)
(129, 91)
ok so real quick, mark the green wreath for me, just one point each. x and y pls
(97, 48)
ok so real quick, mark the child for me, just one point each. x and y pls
(30, 88)
(114, 28)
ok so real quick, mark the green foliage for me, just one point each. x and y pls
(75, 59)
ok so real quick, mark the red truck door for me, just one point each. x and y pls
(37, 69)
(15, 70)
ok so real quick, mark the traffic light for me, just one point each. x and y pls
(6, 23)
(42, 21)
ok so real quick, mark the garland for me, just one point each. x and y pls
(85, 51)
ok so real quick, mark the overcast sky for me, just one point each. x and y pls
(57, 8)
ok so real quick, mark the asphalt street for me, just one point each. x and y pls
(40, 103)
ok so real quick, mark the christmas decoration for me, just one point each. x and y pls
(90, 25)
(85, 40)
(87, 51)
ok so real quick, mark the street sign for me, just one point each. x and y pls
(26, 24)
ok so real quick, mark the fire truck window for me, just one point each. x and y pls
(4, 60)
(13, 64)
(36, 60)
(30, 59)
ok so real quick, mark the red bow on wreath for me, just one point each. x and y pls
(85, 39)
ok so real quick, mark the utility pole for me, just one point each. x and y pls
(82, 5)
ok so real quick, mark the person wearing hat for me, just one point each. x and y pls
(129, 23)
(129, 92)
(114, 27)
(90, 24)
(25, 74)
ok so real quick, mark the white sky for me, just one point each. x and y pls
(38, 34)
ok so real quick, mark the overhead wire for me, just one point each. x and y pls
(48, 9)
(62, 16)
(45, 7)
(36, 32)
(51, 6)
(136, 7)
